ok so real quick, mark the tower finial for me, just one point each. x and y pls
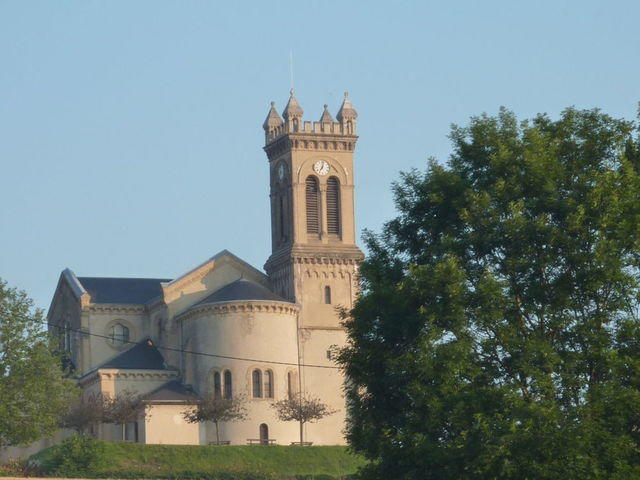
(293, 108)
(347, 112)
(326, 116)
(273, 119)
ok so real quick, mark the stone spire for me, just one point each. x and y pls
(326, 116)
(293, 108)
(273, 119)
(347, 112)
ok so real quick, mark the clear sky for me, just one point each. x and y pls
(130, 131)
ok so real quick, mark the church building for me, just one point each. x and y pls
(226, 327)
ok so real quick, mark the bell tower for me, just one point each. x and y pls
(314, 257)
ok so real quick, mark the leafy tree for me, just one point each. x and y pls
(33, 387)
(215, 408)
(125, 407)
(498, 333)
(302, 410)
(85, 411)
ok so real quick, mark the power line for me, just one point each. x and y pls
(191, 352)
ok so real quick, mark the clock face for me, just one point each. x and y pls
(280, 171)
(321, 167)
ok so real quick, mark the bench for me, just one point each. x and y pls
(261, 441)
(304, 444)
(221, 442)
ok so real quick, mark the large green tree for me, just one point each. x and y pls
(33, 390)
(498, 331)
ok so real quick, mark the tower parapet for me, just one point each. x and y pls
(275, 127)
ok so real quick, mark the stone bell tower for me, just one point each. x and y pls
(314, 257)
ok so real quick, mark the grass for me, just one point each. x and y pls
(254, 462)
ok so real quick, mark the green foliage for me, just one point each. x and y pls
(498, 331)
(210, 462)
(216, 408)
(302, 409)
(76, 456)
(32, 388)
(15, 467)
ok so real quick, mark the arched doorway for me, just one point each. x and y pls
(264, 434)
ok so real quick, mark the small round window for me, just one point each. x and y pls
(119, 335)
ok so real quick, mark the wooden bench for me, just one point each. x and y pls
(261, 441)
(304, 444)
(221, 442)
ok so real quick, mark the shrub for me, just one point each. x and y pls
(77, 456)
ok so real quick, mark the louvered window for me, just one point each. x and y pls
(333, 206)
(313, 223)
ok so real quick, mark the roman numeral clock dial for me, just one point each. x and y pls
(321, 167)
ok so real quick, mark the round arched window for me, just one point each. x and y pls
(119, 335)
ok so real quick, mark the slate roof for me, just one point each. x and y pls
(241, 290)
(143, 356)
(123, 291)
(173, 391)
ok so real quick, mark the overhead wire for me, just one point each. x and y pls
(191, 352)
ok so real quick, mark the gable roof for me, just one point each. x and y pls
(241, 289)
(123, 291)
(211, 261)
(173, 391)
(143, 356)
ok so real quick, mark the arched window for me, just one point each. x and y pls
(256, 378)
(313, 224)
(217, 385)
(268, 384)
(327, 295)
(119, 335)
(228, 385)
(333, 206)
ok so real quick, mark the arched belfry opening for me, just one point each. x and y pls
(333, 207)
(313, 205)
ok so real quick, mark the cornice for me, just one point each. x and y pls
(314, 254)
(244, 306)
(318, 142)
(114, 308)
(136, 374)
(116, 373)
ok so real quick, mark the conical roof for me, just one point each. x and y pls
(326, 116)
(346, 109)
(273, 118)
(293, 108)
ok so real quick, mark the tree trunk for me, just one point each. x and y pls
(301, 431)
(124, 430)
(217, 434)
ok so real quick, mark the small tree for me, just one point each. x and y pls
(84, 412)
(301, 409)
(123, 408)
(33, 388)
(215, 408)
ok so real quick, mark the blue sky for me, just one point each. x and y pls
(130, 131)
